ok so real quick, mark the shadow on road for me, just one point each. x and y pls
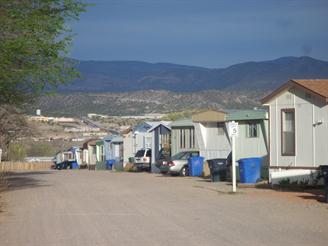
(317, 195)
(24, 180)
(307, 193)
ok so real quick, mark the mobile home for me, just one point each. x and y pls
(298, 129)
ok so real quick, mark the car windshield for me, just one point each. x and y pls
(140, 153)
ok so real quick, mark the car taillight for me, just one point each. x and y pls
(171, 164)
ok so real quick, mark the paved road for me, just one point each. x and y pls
(81, 207)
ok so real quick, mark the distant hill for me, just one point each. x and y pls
(127, 76)
(141, 102)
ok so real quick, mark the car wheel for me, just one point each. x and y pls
(184, 171)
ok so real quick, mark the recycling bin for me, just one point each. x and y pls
(195, 165)
(109, 164)
(250, 170)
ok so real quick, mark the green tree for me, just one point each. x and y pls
(34, 40)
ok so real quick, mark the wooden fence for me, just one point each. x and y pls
(13, 166)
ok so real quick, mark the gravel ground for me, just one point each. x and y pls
(81, 207)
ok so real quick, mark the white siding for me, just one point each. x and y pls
(212, 144)
(252, 146)
(127, 148)
(311, 139)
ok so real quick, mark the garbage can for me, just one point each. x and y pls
(74, 165)
(250, 170)
(218, 169)
(109, 164)
(195, 165)
(324, 172)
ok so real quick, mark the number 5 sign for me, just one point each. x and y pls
(233, 128)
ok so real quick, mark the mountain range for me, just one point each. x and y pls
(129, 76)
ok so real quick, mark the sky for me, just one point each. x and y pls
(207, 33)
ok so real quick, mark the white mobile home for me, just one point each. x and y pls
(211, 133)
(138, 138)
(89, 157)
(298, 129)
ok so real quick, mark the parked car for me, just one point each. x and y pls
(178, 164)
(142, 160)
(164, 157)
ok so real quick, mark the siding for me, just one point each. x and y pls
(176, 145)
(311, 140)
(213, 140)
(253, 147)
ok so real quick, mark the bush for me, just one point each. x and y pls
(16, 152)
(41, 149)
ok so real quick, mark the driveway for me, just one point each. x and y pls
(81, 207)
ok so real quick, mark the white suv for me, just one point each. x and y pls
(142, 159)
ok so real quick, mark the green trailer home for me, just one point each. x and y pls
(253, 136)
(183, 137)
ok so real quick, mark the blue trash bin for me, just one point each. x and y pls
(195, 165)
(250, 170)
(74, 165)
(109, 164)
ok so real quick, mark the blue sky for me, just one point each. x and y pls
(209, 33)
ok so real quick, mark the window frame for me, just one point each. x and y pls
(248, 133)
(282, 112)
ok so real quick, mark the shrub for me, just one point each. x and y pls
(16, 152)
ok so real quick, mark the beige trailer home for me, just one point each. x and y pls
(211, 133)
(298, 130)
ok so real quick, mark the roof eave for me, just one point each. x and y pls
(266, 99)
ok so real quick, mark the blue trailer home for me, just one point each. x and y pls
(109, 151)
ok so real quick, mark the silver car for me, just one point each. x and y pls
(178, 164)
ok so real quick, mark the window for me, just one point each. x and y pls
(182, 138)
(148, 154)
(288, 132)
(187, 138)
(194, 154)
(252, 130)
(192, 138)
(140, 153)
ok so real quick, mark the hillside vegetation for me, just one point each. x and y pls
(141, 102)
